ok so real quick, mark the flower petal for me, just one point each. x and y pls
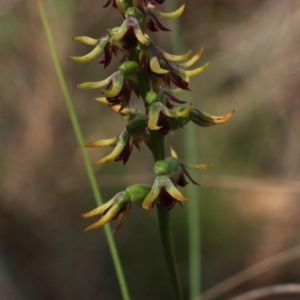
(99, 210)
(86, 40)
(174, 113)
(102, 143)
(119, 34)
(122, 140)
(117, 85)
(205, 120)
(170, 16)
(199, 167)
(103, 100)
(122, 216)
(196, 71)
(155, 66)
(111, 213)
(185, 112)
(93, 54)
(119, 201)
(172, 190)
(191, 61)
(140, 36)
(94, 85)
(173, 153)
(151, 197)
(153, 116)
(175, 58)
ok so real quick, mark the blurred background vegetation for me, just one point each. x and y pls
(249, 200)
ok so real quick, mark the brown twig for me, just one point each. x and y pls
(253, 271)
(274, 290)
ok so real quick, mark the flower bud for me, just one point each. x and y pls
(161, 168)
(138, 192)
(129, 67)
(152, 97)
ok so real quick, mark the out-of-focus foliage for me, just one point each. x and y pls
(249, 199)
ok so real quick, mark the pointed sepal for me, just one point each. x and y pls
(93, 54)
(203, 119)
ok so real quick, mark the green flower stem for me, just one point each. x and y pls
(158, 145)
(165, 230)
(169, 252)
(144, 85)
(194, 228)
(158, 151)
(77, 130)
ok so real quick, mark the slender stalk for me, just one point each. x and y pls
(80, 140)
(169, 252)
(158, 145)
(165, 230)
(194, 226)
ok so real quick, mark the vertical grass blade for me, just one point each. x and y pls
(78, 133)
(194, 232)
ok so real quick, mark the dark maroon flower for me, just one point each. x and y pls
(109, 51)
(160, 70)
(126, 152)
(166, 200)
(129, 40)
(169, 98)
(123, 146)
(155, 25)
(123, 98)
(179, 172)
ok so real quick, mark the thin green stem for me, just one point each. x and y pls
(158, 151)
(79, 137)
(165, 230)
(169, 251)
(194, 228)
(158, 145)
